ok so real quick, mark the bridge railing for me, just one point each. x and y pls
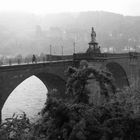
(104, 56)
(77, 56)
(88, 56)
(21, 61)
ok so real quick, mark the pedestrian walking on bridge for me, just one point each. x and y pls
(34, 60)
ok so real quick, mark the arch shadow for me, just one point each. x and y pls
(52, 81)
(119, 74)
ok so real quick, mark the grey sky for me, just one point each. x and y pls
(125, 7)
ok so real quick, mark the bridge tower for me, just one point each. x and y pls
(93, 44)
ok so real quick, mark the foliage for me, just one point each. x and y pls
(80, 121)
(77, 81)
(74, 118)
(16, 127)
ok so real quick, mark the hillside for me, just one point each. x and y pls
(22, 33)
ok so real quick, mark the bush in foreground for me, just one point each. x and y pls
(75, 118)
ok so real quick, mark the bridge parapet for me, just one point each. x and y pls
(105, 56)
(116, 54)
(88, 56)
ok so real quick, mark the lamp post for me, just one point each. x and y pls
(50, 50)
(74, 47)
(62, 49)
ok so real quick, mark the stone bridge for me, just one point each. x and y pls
(50, 73)
(124, 67)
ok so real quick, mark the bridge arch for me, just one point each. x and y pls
(119, 74)
(28, 96)
(51, 81)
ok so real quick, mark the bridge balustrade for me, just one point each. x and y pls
(88, 56)
(117, 54)
(77, 56)
(46, 58)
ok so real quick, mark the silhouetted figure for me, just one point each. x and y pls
(34, 60)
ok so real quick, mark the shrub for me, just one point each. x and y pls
(74, 118)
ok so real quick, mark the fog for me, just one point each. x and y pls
(25, 33)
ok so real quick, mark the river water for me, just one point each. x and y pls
(28, 97)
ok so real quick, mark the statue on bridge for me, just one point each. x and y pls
(93, 45)
(93, 35)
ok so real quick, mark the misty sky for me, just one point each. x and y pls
(125, 7)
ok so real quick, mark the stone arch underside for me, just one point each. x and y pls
(119, 74)
(53, 82)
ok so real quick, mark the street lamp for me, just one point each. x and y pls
(50, 58)
(50, 50)
(74, 46)
(62, 49)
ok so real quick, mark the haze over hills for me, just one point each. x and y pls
(22, 33)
